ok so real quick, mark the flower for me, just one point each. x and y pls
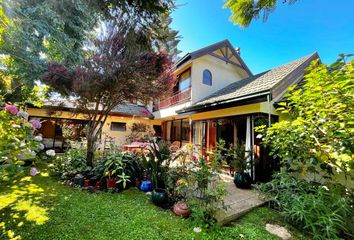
(38, 138)
(11, 109)
(50, 153)
(197, 229)
(194, 158)
(41, 146)
(22, 114)
(33, 171)
(36, 124)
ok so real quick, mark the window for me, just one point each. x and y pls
(184, 81)
(207, 78)
(118, 126)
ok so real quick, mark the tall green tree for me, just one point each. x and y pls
(244, 11)
(36, 32)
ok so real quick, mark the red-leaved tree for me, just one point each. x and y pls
(119, 68)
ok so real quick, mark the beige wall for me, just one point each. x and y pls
(223, 74)
(118, 136)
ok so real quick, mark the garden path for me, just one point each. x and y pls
(238, 201)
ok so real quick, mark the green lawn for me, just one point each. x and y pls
(41, 208)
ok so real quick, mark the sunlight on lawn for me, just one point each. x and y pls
(22, 204)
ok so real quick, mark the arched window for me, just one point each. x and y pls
(207, 78)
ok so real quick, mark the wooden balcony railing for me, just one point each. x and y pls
(173, 100)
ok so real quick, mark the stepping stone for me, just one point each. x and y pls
(279, 231)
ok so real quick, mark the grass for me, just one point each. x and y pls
(41, 208)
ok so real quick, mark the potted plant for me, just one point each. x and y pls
(240, 161)
(156, 164)
(118, 168)
(112, 166)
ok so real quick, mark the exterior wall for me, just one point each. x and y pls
(223, 74)
(170, 111)
(262, 107)
(118, 136)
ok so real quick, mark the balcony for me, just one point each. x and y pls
(180, 97)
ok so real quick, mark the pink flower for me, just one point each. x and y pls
(194, 158)
(178, 182)
(33, 171)
(36, 124)
(11, 109)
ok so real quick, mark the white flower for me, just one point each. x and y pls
(50, 152)
(325, 188)
(41, 146)
(22, 114)
(38, 138)
(197, 229)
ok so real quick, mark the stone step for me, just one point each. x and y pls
(238, 202)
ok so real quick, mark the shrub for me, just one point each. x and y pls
(317, 137)
(73, 161)
(323, 211)
(123, 166)
(156, 164)
(17, 142)
(204, 192)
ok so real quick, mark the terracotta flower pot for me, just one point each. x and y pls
(111, 183)
(97, 185)
(181, 209)
(86, 182)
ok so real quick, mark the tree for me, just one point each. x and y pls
(318, 136)
(119, 68)
(37, 32)
(244, 11)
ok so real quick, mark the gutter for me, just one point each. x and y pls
(220, 103)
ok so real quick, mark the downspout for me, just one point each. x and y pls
(269, 110)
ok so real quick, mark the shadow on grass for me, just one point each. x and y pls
(21, 203)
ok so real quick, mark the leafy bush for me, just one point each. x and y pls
(203, 191)
(140, 132)
(123, 166)
(156, 164)
(324, 211)
(317, 137)
(73, 161)
(17, 141)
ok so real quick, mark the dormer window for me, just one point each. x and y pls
(207, 77)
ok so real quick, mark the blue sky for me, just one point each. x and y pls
(325, 26)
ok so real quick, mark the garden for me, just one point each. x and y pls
(103, 54)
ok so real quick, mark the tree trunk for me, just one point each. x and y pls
(90, 151)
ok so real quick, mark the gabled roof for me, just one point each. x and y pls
(209, 50)
(124, 109)
(274, 82)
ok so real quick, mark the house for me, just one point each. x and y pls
(216, 96)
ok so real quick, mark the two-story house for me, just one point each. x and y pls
(215, 97)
